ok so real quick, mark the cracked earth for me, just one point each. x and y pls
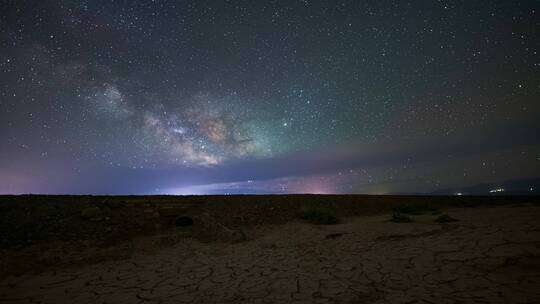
(492, 255)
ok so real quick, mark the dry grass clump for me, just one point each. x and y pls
(400, 218)
(318, 217)
(445, 218)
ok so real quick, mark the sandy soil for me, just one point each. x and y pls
(492, 255)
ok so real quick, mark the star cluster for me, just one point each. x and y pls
(299, 96)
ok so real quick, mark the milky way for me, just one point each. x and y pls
(196, 97)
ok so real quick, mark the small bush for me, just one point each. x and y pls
(400, 218)
(183, 221)
(445, 218)
(435, 211)
(409, 209)
(319, 217)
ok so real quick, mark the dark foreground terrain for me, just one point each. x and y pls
(269, 249)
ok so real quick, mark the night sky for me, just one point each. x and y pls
(200, 97)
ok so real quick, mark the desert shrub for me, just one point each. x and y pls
(318, 217)
(183, 221)
(415, 209)
(445, 218)
(408, 209)
(400, 218)
(92, 213)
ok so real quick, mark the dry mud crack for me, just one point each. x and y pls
(491, 256)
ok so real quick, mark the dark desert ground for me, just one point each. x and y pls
(269, 249)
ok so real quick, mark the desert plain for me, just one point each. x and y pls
(269, 249)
